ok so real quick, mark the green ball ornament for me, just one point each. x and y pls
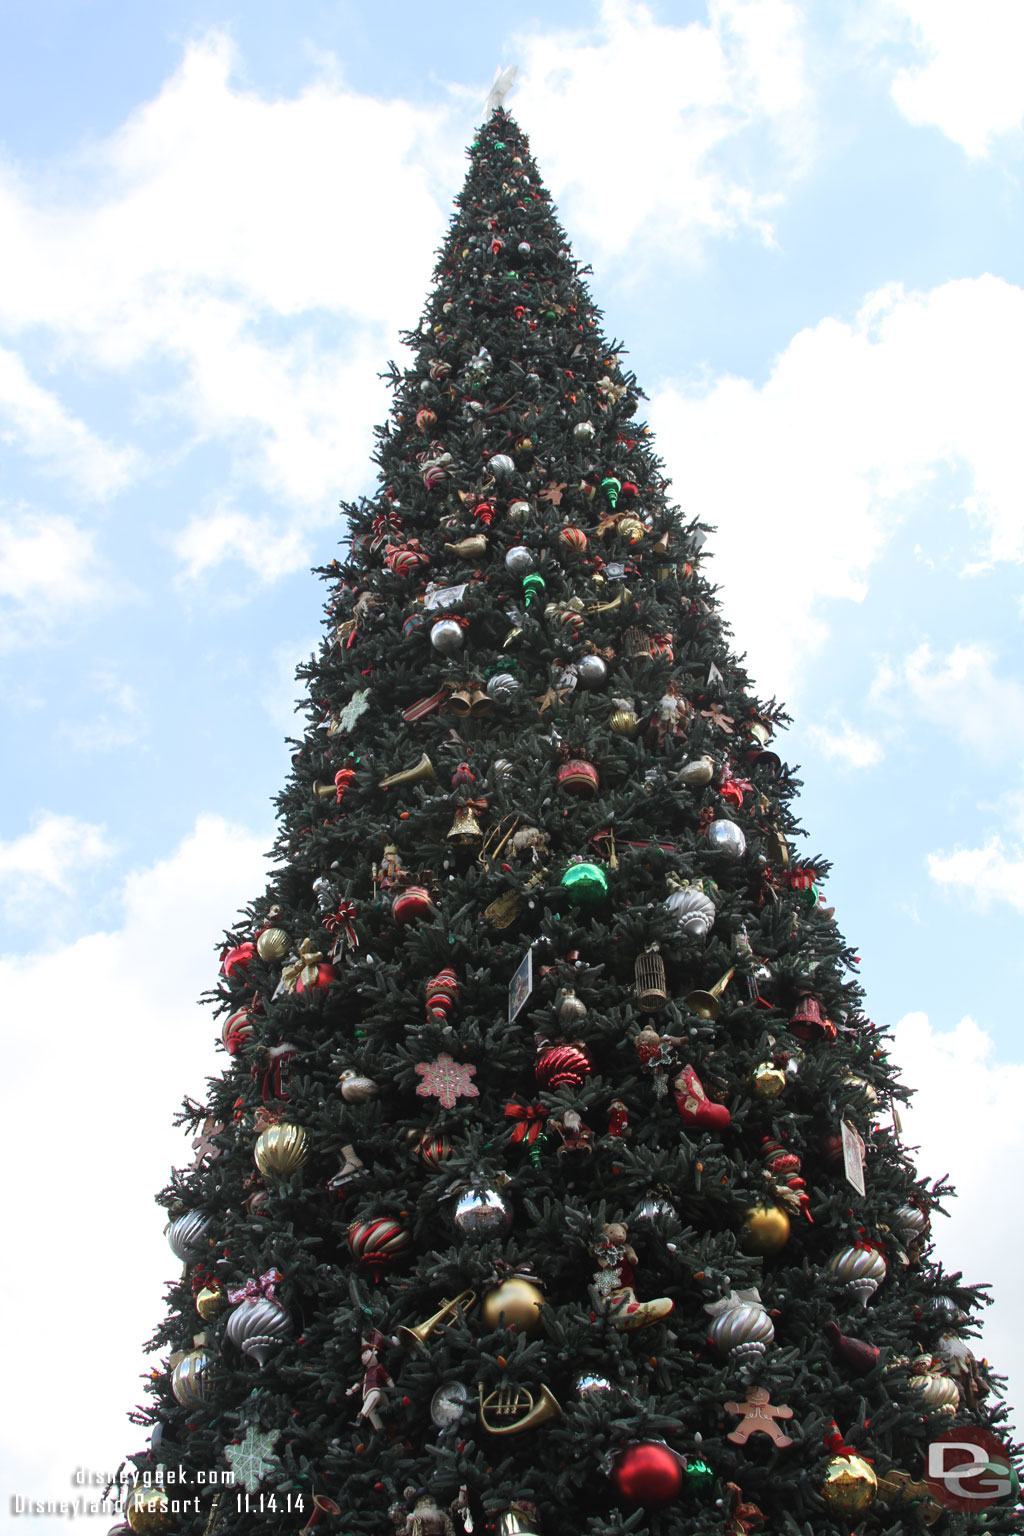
(586, 883)
(498, 144)
(699, 1476)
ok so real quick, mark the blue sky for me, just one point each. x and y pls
(805, 223)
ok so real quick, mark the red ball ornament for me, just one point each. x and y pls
(578, 776)
(412, 905)
(237, 959)
(647, 1472)
(562, 1066)
(325, 974)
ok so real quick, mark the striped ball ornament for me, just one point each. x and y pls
(377, 1241)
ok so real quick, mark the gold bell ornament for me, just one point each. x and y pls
(465, 830)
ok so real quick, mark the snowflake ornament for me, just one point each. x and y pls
(253, 1458)
(446, 1080)
(357, 705)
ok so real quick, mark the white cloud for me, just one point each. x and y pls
(696, 92)
(266, 548)
(41, 427)
(959, 1086)
(970, 83)
(807, 475)
(992, 873)
(961, 692)
(49, 858)
(234, 238)
(48, 568)
(839, 740)
(117, 1011)
(115, 722)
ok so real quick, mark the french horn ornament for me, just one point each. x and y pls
(517, 1408)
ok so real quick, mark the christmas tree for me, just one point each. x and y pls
(553, 1183)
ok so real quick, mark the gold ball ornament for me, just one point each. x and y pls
(631, 528)
(149, 1510)
(766, 1229)
(280, 1150)
(272, 945)
(211, 1302)
(624, 722)
(515, 1303)
(850, 1485)
(768, 1081)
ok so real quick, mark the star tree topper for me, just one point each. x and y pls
(253, 1458)
(446, 1080)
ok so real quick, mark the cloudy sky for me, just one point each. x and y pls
(805, 222)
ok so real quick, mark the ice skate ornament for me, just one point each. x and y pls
(374, 1384)
(758, 1417)
(504, 80)
(613, 1286)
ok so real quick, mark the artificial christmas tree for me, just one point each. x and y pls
(552, 1184)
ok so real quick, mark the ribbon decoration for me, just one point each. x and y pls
(733, 791)
(263, 1285)
(343, 918)
(385, 525)
(303, 969)
(531, 1121)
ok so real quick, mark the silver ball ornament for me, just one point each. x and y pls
(446, 636)
(583, 431)
(480, 1212)
(589, 1385)
(520, 561)
(501, 466)
(592, 671)
(258, 1326)
(502, 687)
(692, 910)
(188, 1235)
(726, 837)
(519, 511)
(741, 1327)
(188, 1378)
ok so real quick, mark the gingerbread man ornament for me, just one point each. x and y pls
(758, 1417)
